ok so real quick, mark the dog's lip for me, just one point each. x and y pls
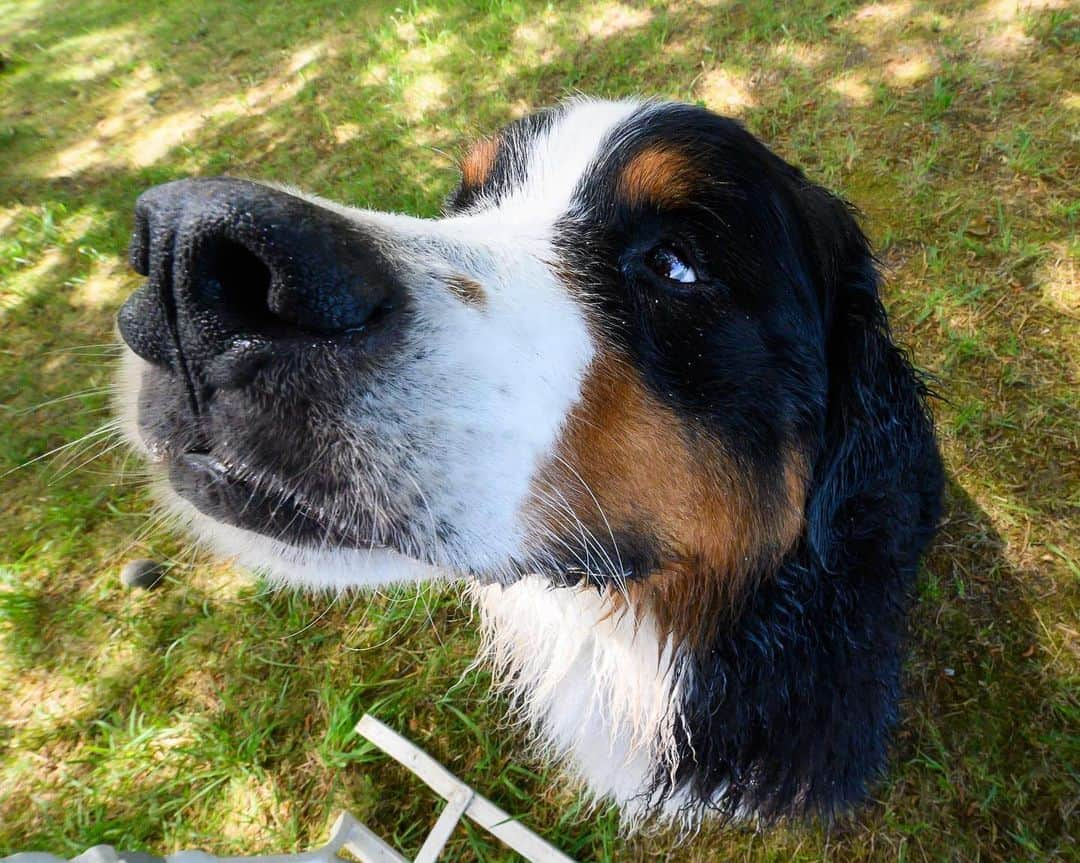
(229, 494)
(203, 462)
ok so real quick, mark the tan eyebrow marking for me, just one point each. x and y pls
(477, 165)
(658, 175)
(469, 291)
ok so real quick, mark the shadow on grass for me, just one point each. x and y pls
(987, 719)
(207, 694)
(176, 707)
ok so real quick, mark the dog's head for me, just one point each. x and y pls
(618, 357)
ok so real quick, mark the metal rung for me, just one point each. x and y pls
(350, 835)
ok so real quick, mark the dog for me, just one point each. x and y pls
(636, 389)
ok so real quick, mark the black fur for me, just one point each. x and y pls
(782, 345)
(790, 709)
(783, 341)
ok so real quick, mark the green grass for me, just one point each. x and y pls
(214, 713)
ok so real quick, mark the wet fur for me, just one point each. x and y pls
(691, 519)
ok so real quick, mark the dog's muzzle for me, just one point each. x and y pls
(243, 279)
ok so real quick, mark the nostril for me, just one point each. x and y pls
(237, 282)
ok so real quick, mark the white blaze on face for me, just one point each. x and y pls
(480, 392)
(496, 383)
(559, 159)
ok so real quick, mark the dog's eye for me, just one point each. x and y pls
(670, 265)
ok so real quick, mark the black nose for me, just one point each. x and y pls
(237, 269)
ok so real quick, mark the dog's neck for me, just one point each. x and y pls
(598, 685)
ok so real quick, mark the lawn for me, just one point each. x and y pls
(213, 712)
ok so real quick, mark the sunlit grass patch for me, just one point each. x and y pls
(215, 712)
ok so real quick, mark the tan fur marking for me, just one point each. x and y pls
(467, 290)
(659, 176)
(650, 474)
(477, 165)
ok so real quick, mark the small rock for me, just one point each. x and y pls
(142, 573)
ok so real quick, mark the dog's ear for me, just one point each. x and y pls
(876, 425)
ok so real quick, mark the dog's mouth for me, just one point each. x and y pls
(235, 496)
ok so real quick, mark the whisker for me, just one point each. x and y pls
(108, 449)
(393, 636)
(103, 348)
(156, 521)
(616, 572)
(600, 509)
(111, 427)
(333, 601)
(87, 393)
(616, 579)
(63, 460)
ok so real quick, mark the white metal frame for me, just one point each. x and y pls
(350, 835)
(461, 800)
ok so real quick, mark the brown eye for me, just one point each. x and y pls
(669, 264)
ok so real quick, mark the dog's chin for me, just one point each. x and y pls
(277, 536)
(228, 495)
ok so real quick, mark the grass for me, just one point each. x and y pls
(214, 713)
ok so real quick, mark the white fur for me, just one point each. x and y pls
(600, 688)
(558, 160)
(484, 393)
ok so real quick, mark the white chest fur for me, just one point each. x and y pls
(598, 687)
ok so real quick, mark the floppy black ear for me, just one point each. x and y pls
(879, 461)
